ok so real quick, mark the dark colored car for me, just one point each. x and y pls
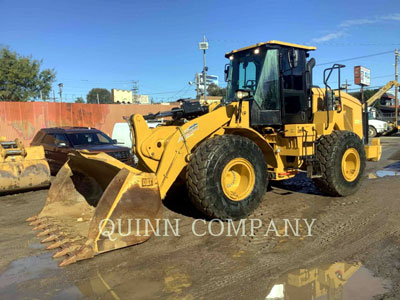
(59, 141)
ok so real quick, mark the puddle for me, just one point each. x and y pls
(339, 281)
(28, 268)
(71, 293)
(36, 246)
(390, 170)
(170, 282)
(23, 270)
(113, 286)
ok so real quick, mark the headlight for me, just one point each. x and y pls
(242, 94)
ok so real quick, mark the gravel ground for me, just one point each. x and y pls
(357, 237)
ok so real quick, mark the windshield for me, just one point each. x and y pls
(243, 74)
(258, 74)
(89, 138)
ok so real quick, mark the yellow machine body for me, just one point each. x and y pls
(94, 192)
(22, 168)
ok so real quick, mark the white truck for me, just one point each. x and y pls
(121, 132)
(376, 127)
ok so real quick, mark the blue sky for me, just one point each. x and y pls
(111, 43)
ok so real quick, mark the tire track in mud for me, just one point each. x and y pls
(347, 229)
(343, 231)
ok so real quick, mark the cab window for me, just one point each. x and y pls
(293, 86)
(267, 94)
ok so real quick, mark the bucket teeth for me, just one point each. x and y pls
(40, 227)
(51, 238)
(31, 219)
(66, 250)
(55, 245)
(35, 222)
(68, 261)
(61, 253)
(43, 233)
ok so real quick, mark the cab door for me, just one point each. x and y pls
(295, 102)
(266, 107)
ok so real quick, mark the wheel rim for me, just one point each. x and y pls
(351, 164)
(238, 179)
(371, 132)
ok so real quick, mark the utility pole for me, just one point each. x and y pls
(135, 90)
(204, 46)
(54, 96)
(346, 86)
(60, 87)
(198, 86)
(396, 75)
(98, 101)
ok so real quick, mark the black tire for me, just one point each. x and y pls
(329, 152)
(372, 132)
(203, 176)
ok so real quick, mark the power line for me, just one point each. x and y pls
(354, 58)
(376, 77)
(319, 44)
(368, 88)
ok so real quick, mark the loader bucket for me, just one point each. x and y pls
(22, 168)
(97, 204)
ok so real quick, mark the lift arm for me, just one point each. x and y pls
(383, 90)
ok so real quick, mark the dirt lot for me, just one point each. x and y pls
(353, 253)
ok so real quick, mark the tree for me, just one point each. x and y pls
(215, 90)
(21, 78)
(79, 100)
(367, 94)
(98, 95)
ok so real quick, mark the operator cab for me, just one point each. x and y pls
(276, 78)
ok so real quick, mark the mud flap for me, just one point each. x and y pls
(97, 204)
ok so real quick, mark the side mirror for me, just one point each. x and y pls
(227, 67)
(62, 145)
(115, 141)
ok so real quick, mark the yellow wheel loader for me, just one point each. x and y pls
(22, 168)
(273, 124)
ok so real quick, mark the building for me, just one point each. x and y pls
(387, 100)
(127, 97)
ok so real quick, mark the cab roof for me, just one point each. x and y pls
(273, 42)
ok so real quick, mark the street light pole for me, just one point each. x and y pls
(204, 46)
(396, 75)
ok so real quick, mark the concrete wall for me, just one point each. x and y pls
(23, 119)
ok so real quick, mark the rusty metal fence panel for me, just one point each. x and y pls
(23, 119)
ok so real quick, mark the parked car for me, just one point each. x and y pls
(60, 141)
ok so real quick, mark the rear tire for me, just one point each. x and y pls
(227, 177)
(342, 158)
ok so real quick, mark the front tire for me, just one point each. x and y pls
(342, 159)
(372, 132)
(227, 177)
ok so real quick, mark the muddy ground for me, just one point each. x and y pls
(353, 253)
